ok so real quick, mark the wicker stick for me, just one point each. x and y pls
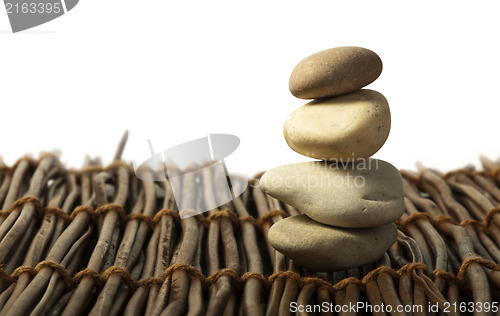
(252, 291)
(427, 256)
(135, 234)
(224, 283)
(177, 302)
(158, 256)
(138, 300)
(479, 204)
(5, 177)
(291, 288)
(195, 297)
(387, 287)
(213, 235)
(180, 279)
(56, 288)
(487, 184)
(196, 306)
(106, 242)
(277, 259)
(475, 273)
(168, 237)
(25, 222)
(405, 290)
(68, 205)
(222, 290)
(38, 244)
(323, 296)
(158, 300)
(438, 246)
(352, 295)
(439, 190)
(305, 296)
(21, 168)
(6, 293)
(23, 215)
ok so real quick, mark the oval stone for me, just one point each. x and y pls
(334, 72)
(362, 194)
(351, 126)
(319, 247)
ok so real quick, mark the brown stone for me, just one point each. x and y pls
(320, 247)
(334, 72)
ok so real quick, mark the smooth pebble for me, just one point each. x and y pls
(334, 71)
(351, 126)
(319, 247)
(363, 194)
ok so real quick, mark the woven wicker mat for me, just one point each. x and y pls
(100, 241)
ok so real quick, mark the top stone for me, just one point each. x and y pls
(334, 72)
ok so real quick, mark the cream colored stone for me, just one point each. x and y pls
(363, 194)
(334, 71)
(354, 125)
(319, 247)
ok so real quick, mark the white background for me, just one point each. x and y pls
(173, 71)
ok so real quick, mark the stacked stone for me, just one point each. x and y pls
(349, 201)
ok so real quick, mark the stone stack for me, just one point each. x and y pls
(349, 201)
